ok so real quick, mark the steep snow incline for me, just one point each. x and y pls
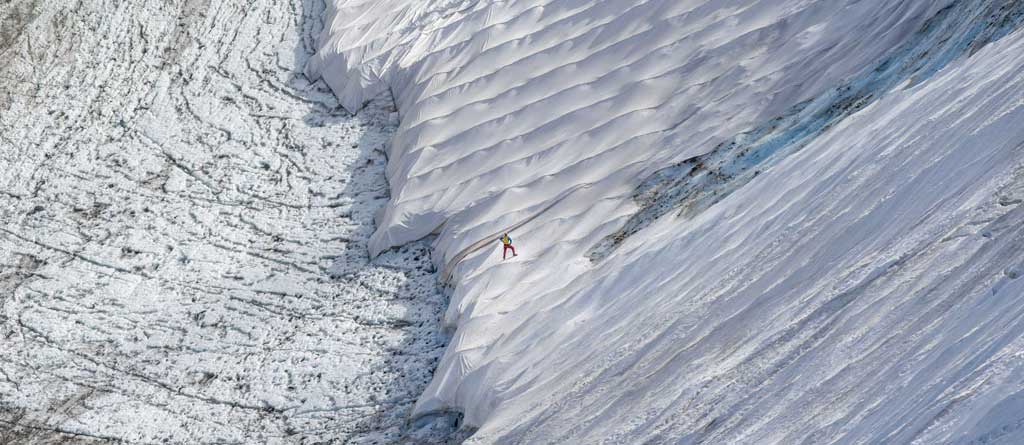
(864, 290)
(519, 101)
(183, 229)
(859, 286)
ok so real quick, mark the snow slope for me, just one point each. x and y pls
(846, 271)
(541, 96)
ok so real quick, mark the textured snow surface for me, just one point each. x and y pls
(183, 230)
(519, 101)
(860, 286)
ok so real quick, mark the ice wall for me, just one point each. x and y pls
(509, 104)
(858, 289)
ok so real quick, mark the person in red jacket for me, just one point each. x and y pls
(507, 242)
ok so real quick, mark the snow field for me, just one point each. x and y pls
(184, 221)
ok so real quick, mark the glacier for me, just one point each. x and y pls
(184, 220)
(743, 221)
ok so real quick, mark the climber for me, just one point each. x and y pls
(507, 242)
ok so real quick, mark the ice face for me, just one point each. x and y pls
(833, 279)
